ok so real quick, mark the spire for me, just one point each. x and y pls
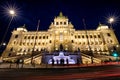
(61, 14)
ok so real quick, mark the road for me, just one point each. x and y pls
(108, 72)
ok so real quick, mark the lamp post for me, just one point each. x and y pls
(111, 20)
(12, 14)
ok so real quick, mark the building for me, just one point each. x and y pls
(99, 41)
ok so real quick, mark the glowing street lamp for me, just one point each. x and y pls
(111, 20)
(12, 12)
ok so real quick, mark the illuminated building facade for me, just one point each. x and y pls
(61, 32)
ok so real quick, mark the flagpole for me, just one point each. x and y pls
(32, 58)
(91, 53)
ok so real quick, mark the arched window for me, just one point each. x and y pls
(72, 41)
(57, 23)
(50, 41)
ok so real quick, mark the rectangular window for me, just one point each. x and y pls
(99, 36)
(16, 36)
(57, 23)
(60, 22)
(108, 34)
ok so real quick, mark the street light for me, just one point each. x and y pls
(111, 20)
(12, 14)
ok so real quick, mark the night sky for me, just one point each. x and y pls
(30, 11)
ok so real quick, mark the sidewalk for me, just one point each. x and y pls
(14, 65)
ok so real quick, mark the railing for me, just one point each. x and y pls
(29, 59)
(95, 60)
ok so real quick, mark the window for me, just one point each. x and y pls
(32, 37)
(36, 37)
(99, 36)
(57, 23)
(82, 36)
(108, 34)
(72, 41)
(28, 37)
(28, 50)
(90, 36)
(14, 42)
(78, 36)
(111, 41)
(94, 36)
(75, 36)
(11, 49)
(43, 37)
(39, 43)
(50, 41)
(86, 36)
(16, 36)
(25, 37)
(83, 43)
(64, 23)
(91, 43)
(60, 22)
(79, 43)
(47, 37)
(39, 37)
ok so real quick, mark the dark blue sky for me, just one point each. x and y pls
(30, 11)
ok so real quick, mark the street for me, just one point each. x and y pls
(106, 72)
